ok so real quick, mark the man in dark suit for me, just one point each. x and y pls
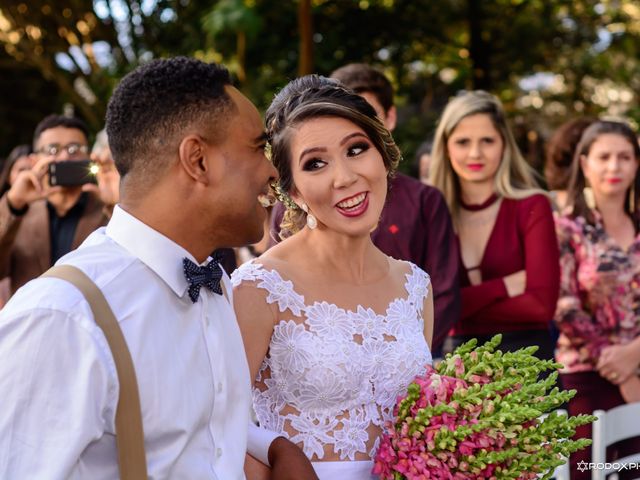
(415, 223)
(39, 223)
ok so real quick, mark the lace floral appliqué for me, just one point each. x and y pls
(332, 373)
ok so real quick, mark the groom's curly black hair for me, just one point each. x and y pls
(156, 104)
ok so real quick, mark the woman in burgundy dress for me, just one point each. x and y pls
(508, 249)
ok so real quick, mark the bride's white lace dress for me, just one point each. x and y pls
(331, 376)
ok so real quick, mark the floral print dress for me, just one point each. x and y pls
(599, 302)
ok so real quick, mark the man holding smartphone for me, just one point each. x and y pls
(39, 223)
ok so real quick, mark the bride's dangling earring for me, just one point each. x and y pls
(312, 223)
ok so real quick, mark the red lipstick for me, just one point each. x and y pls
(357, 210)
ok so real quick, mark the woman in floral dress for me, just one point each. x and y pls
(598, 311)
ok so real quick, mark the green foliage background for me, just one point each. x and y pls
(547, 60)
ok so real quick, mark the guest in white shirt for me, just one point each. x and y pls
(190, 151)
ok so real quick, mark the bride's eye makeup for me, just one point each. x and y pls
(312, 164)
(357, 148)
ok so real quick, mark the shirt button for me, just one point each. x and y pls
(219, 387)
(206, 320)
(218, 452)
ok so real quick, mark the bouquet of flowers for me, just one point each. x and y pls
(480, 414)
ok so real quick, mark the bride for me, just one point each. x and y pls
(334, 329)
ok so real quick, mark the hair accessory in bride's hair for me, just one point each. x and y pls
(284, 196)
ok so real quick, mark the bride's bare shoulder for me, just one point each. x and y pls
(281, 256)
(399, 268)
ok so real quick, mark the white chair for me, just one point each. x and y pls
(617, 424)
(562, 472)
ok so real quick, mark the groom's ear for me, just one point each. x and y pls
(199, 160)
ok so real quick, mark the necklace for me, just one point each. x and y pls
(474, 207)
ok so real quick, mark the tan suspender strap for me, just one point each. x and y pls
(224, 291)
(129, 433)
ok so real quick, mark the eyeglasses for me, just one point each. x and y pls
(54, 149)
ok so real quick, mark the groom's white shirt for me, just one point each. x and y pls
(58, 385)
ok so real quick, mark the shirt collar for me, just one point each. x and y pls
(159, 253)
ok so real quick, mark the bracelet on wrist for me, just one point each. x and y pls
(18, 212)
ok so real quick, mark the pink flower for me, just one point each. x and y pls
(459, 366)
(421, 443)
(466, 447)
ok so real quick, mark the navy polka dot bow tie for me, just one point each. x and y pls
(197, 276)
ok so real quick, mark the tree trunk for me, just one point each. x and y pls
(479, 47)
(305, 27)
(241, 52)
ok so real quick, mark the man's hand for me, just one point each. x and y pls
(31, 185)
(288, 462)
(255, 469)
(108, 188)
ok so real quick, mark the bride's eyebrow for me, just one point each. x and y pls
(310, 150)
(352, 135)
(323, 149)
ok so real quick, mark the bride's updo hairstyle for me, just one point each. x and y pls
(310, 97)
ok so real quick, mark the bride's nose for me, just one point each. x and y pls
(343, 174)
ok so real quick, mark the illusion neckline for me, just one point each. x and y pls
(351, 311)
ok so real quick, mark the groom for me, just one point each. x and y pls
(190, 151)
